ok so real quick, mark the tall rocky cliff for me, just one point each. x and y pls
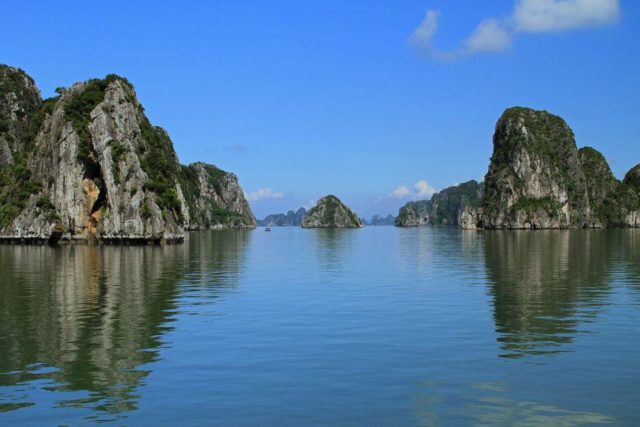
(539, 179)
(213, 199)
(88, 165)
(444, 208)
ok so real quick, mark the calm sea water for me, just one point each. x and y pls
(380, 326)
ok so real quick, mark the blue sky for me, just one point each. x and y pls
(363, 99)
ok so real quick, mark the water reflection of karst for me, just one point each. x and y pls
(332, 247)
(93, 316)
(544, 284)
(216, 254)
(447, 249)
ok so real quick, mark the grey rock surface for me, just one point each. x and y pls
(444, 208)
(93, 168)
(330, 212)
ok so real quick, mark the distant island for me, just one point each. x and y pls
(330, 212)
(87, 165)
(290, 219)
(537, 179)
(444, 207)
(381, 220)
(294, 219)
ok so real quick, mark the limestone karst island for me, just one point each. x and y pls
(87, 165)
(537, 179)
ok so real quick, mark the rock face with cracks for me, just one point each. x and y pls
(537, 179)
(87, 165)
(444, 208)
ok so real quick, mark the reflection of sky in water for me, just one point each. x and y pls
(325, 327)
(485, 404)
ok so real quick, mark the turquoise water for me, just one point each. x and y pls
(379, 326)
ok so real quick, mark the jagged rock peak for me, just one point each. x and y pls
(535, 178)
(330, 212)
(539, 179)
(19, 101)
(632, 178)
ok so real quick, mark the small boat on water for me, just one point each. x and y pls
(267, 229)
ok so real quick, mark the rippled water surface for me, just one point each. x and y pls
(380, 326)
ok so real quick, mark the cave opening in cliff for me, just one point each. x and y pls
(93, 172)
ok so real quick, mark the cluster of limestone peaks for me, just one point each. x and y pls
(537, 179)
(87, 165)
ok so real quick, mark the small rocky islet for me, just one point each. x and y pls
(537, 179)
(87, 165)
(330, 212)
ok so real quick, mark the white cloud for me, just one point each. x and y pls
(495, 35)
(489, 36)
(422, 37)
(264, 194)
(401, 192)
(559, 15)
(423, 189)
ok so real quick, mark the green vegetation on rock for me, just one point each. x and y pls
(24, 102)
(531, 206)
(632, 178)
(444, 207)
(330, 212)
(329, 216)
(16, 186)
(118, 151)
(535, 166)
(46, 108)
(45, 205)
(539, 179)
(204, 210)
(120, 138)
(600, 181)
(618, 204)
(78, 110)
(158, 160)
